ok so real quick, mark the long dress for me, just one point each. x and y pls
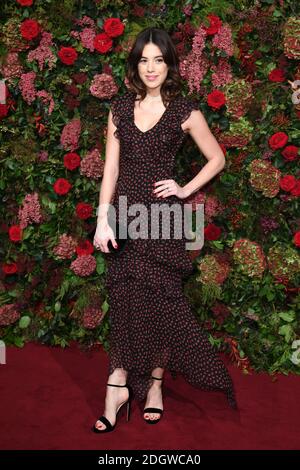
(151, 321)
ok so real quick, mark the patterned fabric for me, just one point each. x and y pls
(151, 321)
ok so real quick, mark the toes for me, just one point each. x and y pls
(99, 425)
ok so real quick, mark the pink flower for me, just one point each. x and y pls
(70, 135)
(12, 67)
(223, 40)
(195, 64)
(47, 99)
(103, 86)
(43, 156)
(65, 249)
(84, 265)
(86, 21)
(31, 211)
(92, 166)
(87, 37)
(199, 41)
(222, 73)
(43, 52)
(27, 87)
(92, 317)
(8, 314)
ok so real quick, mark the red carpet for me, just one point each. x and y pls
(49, 399)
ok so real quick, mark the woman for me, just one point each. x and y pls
(152, 326)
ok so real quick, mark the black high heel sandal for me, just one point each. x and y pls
(104, 420)
(153, 410)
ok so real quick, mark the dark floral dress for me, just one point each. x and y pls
(151, 322)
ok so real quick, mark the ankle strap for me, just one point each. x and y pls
(114, 385)
(156, 378)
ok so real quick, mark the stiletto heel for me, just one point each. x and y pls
(104, 420)
(153, 410)
(128, 411)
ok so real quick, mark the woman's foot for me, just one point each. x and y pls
(115, 396)
(154, 400)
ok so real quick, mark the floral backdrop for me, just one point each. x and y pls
(61, 62)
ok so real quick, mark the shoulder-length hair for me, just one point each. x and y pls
(173, 83)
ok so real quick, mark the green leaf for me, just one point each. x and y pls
(286, 331)
(19, 342)
(287, 316)
(105, 306)
(100, 264)
(217, 244)
(24, 322)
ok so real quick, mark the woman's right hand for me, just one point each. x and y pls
(103, 234)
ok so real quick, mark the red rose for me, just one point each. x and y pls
(113, 27)
(287, 182)
(216, 99)
(102, 42)
(295, 191)
(84, 248)
(67, 55)
(278, 140)
(83, 210)
(9, 268)
(15, 233)
(276, 75)
(62, 186)
(25, 3)
(3, 111)
(212, 232)
(71, 160)
(296, 239)
(290, 153)
(29, 29)
(214, 24)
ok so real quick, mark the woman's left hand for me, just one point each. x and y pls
(165, 188)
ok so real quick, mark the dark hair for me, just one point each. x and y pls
(173, 83)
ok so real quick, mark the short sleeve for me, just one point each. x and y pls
(187, 105)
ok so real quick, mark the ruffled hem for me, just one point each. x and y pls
(168, 336)
(129, 266)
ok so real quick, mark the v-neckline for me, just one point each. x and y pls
(156, 124)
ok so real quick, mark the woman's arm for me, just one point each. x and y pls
(111, 170)
(104, 232)
(197, 127)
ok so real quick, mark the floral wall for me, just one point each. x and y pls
(61, 62)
